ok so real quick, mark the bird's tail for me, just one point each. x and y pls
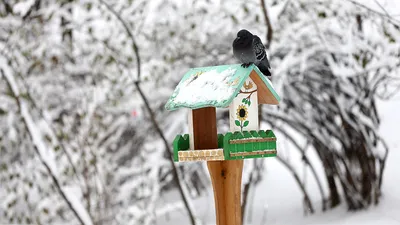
(264, 68)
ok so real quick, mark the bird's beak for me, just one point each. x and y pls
(238, 38)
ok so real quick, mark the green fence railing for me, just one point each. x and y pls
(237, 145)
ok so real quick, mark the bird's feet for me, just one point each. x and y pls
(245, 65)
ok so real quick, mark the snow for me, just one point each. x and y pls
(209, 86)
(278, 198)
(269, 82)
(46, 156)
(7, 73)
(389, 6)
(71, 194)
(81, 94)
(22, 7)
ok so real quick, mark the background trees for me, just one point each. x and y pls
(76, 140)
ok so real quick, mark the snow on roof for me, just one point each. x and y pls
(216, 87)
(211, 84)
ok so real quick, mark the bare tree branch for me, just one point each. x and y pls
(298, 181)
(247, 187)
(35, 5)
(152, 115)
(51, 127)
(307, 161)
(129, 32)
(381, 6)
(390, 18)
(8, 8)
(16, 96)
(268, 23)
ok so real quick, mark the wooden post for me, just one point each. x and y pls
(226, 176)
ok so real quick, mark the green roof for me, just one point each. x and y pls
(217, 86)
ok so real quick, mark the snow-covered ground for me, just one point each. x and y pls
(278, 200)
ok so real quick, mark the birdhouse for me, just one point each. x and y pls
(228, 86)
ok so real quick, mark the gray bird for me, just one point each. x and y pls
(248, 49)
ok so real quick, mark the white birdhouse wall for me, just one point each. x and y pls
(243, 111)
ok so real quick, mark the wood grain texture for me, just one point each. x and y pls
(252, 140)
(260, 153)
(204, 128)
(265, 96)
(226, 177)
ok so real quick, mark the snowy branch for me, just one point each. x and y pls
(307, 161)
(128, 31)
(268, 23)
(152, 116)
(42, 152)
(390, 18)
(298, 181)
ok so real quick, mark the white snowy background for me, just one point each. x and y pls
(85, 138)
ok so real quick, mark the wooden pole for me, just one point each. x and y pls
(226, 176)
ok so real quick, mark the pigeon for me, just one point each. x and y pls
(249, 49)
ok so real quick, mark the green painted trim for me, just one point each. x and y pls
(175, 145)
(248, 147)
(257, 145)
(220, 140)
(270, 133)
(254, 133)
(185, 142)
(241, 73)
(252, 146)
(227, 146)
(181, 143)
(267, 83)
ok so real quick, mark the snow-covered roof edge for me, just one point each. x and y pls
(267, 83)
(244, 74)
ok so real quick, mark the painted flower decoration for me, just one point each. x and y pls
(242, 113)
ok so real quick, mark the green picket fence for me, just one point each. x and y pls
(237, 145)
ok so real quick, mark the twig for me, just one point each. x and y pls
(298, 181)
(151, 113)
(8, 8)
(247, 92)
(246, 190)
(283, 9)
(268, 23)
(35, 5)
(307, 161)
(128, 31)
(51, 127)
(16, 96)
(380, 6)
(170, 156)
(390, 18)
(253, 180)
(382, 163)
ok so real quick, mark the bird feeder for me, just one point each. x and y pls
(240, 89)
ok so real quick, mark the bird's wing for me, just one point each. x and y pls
(259, 49)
